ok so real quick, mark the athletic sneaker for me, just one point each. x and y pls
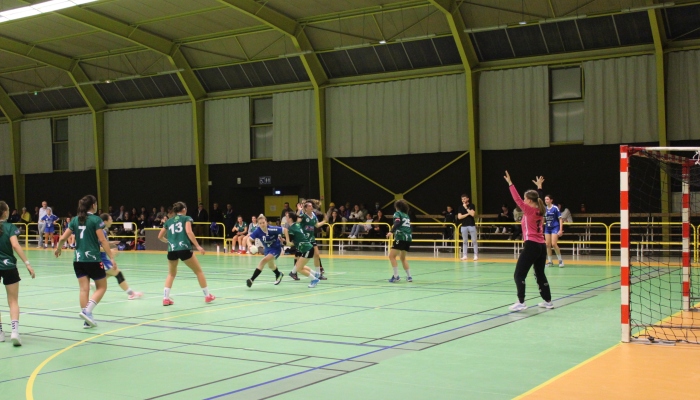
(561, 263)
(168, 301)
(15, 339)
(278, 278)
(321, 277)
(313, 283)
(394, 279)
(2, 336)
(409, 279)
(294, 276)
(210, 298)
(545, 304)
(476, 258)
(88, 318)
(135, 295)
(86, 325)
(464, 258)
(549, 264)
(249, 282)
(518, 307)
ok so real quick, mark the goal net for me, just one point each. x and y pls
(660, 278)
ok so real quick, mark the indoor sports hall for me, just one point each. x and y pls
(495, 199)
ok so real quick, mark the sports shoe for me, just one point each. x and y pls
(314, 282)
(294, 276)
(497, 230)
(394, 279)
(15, 339)
(464, 258)
(278, 278)
(546, 304)
(409, 279)
(561, 263)
(322, 277)
(2, 336)
(351, 237)
(549, 264)
(168, 301)
(210, 298)
(476, 258)
(88, 318)
(86, 325)
(518, 306)
(249, 282)
(135, 295)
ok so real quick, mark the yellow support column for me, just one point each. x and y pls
(202, 169)
(324, 163)
(18, 177)
(101, 174)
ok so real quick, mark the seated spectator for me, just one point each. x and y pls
(335, 218)
(286, 222)
(449, 231)
(14, 217)
(356, 215)
(344, 213)
(141, 224)
(380, 227)
(240, 230)
(251, 227)
(361, 228)
(70, 243)
(565, 213)
(518, 217)
(505, 216)
(26, 217)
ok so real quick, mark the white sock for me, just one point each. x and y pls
(396, 271)
(549, 258)
(408, 272)
(558, 254)
(294, 270)
(91, 306)
(15, 326)
(166, 293)
(205, 290)
(129, 291)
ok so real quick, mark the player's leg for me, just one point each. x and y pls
(557, 250)
(191, 261)
(393, 253)
(548, 240)
(96, 272)
(530, 253)
(293, 274)
(172, 273)
(541, 278)
(12, 295)
(317, 262)
(273, 266)
(404, 262)
(258, 269)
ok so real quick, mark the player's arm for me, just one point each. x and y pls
(18, 249)
(251, 239)
(286, 235)
(105, 244)
(162, 235)
(471, 211)
(64, 237)
(193, 239)
(397, 225)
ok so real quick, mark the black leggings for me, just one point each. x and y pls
(534, 254)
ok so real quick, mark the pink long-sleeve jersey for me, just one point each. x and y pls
(532, 220)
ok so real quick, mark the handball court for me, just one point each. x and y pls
(447, 335)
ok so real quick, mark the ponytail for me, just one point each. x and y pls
(3, 209)
(533, 196)
(541, 206)
(84, 205)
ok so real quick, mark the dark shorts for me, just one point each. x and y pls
(93, 270)
(182, 255)
(308, 254)
(9, 276)
(402, 245)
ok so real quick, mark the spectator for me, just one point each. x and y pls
(565, 213)
(134, 213)
(216, 217)
(327, 217)
(70, 242)
(26, 217)
(377, 207)
(229, 220)
(152, 218)
(361, 228)
(518, 217)
(240, 230)
(202, 216)
(449, 231)
(251, 228)
(14, 217)
(49, 219)
(285, 209)
(334, 219)
(35, 217)
(379, 228)
(504, 216)
(356, 215)
(110, 210)
(144, 212)
(141, 224)
(344, 213)
(286, 222)
(119, 215)
(364, 210)
(465, 216)
(41, 213)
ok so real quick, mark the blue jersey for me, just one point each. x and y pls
(269, 239)
(49, 220)
(552, 216)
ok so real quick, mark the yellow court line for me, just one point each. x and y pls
(32, 378)
(568, 371)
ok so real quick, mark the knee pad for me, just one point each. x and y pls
(120, 278)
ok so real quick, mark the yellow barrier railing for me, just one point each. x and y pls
(341, 241)
(648, 238)
(57, 226)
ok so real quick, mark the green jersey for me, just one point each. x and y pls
(301, 241)
(308, 226)
(177, 233)
(241, 227)
(7, 255)
(87, 247)
(403, 232)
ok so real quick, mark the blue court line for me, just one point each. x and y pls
(385, 348)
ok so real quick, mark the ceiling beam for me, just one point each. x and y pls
(189, 80)
(72, 67)
(8, 107)
(454, 19)
(289, 27)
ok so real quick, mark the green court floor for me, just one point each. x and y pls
(447, 335)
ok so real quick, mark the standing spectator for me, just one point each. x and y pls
(286, 222)
(216, 218)
(14, 217)
(35, 217)
(42, 225)
(565, 213)
(49, 219)
(202, 216)
(505, 216)
(229, 220)
(449, 232)
(465, 216)
(285, 209)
